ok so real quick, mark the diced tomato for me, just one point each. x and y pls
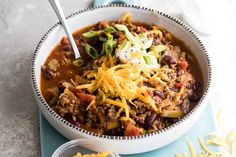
(65, 41)
(178, 84)
(150, 92)
(85, 98)
(183, 65)
(132, 130)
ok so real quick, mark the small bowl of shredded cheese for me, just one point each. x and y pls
(78, 148)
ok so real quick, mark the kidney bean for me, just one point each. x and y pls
(159, 94)
(171, 120)
(194, 97)
(150, 119)
(115, 132)
(61, 87)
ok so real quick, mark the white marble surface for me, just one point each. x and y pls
(23, 23)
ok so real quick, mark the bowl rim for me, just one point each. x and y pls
(36, 89)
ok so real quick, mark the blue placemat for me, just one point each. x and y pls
(51, 139)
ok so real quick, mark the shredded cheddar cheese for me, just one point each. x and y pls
(191, 148)
(121, 81)
(102, 154)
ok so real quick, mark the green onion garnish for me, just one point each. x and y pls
(91, 34)
(102, 38)
(148, 60)
(77, 62)
(109, 45)
(103, 48)
(109, 29)
(160, 48)
(91, 51)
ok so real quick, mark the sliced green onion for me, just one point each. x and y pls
(102, 38)
(148, 60)
(109, 29)
(160, 48)
(142, 36)
(109, 36)
(91, 34)
(114, 42)
(171, 113)
(148, 43)
(109, 46)
(128, 35)
(103, 48)
(145, 42)
(121, 27)
(91, 51)
(77, 62)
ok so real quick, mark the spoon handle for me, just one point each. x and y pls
(59, 12)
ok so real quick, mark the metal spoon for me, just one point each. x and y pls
(58, 10)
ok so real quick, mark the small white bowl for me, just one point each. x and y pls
(123, 144)
(84, 146)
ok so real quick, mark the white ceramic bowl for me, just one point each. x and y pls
(122, 145)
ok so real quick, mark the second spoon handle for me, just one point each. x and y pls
(59, 12)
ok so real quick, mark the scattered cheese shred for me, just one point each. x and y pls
(91, 103)
(119, 111)
(219, 115)
(231, 140)
(180, 155)
(84, 86)
(207, 149)
(126, 17)
(68, 93)
(115, 102)
(191, 148)
(232, 149)
(102, 154)
(231, 137)
(214, 139)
